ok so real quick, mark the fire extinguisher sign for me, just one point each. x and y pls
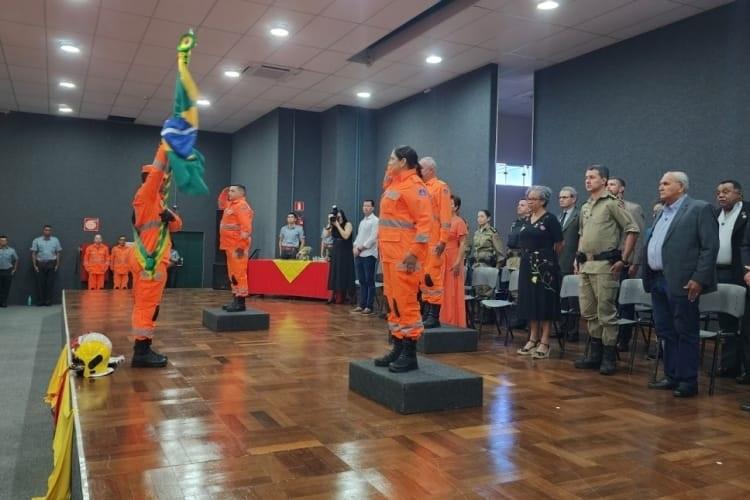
(91, 224)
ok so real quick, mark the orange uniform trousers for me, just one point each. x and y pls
(146, 298)
(121, 281)
(237, 271)
(404, 315)
(96, 281)
(432, 281)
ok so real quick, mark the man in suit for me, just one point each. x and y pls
(732, 218)
(569, 217)
(616, 186)
(680, 265)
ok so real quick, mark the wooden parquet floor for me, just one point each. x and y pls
(269, 415)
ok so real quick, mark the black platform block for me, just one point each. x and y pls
(219, 320)
(448, 339)
(433, 387)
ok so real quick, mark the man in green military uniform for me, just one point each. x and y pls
(600, 262)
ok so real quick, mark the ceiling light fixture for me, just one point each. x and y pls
(279, 32)
(67, 85)
(547, 5)
(203, 102)
(232, 73)
(363, 95)
(69, 48)
(64, 108)
(433, 59)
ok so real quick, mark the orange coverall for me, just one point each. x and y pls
(148, 203)
(119, 266)
(96, 263)
(404, 228)
(235, 238)
(440, 201)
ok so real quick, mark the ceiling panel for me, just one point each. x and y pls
(359, 38)
(75, 16)
(187, 12)
(22, 35)
(25, 56)
(627, 15)
(357, 11)
(328, 61)
(139, 7)
(234, 15)
(323, 31)
(292, 55)
(393, 18)
(121, 25)
(309, 6)
(292, 20)
(23, 11)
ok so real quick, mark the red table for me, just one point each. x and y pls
(265, 278)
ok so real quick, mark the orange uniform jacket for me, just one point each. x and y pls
(96, 259)
(405, 219)
(236, 225)
(119, 260)
(440, 198)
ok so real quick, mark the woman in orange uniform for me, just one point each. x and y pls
(403, 234)
(454, 307)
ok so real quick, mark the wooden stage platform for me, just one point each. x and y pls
(269, 415)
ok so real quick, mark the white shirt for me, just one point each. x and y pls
(367, 236)
(726, 226)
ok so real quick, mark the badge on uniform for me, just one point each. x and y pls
(422, 192)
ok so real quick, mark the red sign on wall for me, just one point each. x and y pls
(299, 206)
(91, 224)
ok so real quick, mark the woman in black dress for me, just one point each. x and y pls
(540, 240)
(341, 274)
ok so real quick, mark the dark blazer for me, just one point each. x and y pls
(738, 235)
(689, 250)
(570, 241)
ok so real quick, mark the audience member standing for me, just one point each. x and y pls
(45, 257)
(366, 257)
(8, 267)
(513, 260)
(453, 311)
(600, 262)
(96, 263)
(569, 221)
(487, 250)
(540, 240)
(732, 218)
(680, 266)
(616, 186)
(341, 271)
(291, 238)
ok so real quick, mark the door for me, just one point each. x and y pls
(189, 244)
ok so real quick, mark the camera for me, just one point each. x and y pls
(333, 213)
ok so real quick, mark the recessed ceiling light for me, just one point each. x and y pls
(232, 73)
(363, 95)
(68, 85)
(64, 108)
(547, 5)
(69, 48)
(433, 59)
(203, 102)
(280, 32)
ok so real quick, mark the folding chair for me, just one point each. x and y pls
(568, 290)
(501, 307)
(633, 293)
(727, 299)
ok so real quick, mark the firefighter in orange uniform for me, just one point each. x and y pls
(235, 238)
(96, 263)
(432, 281)
(119, 264)
(153, 222)
(403, 234)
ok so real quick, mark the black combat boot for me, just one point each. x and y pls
(609, 360)
(231, 304)
(433, 316)
(397, 347)
(407, 361)
(238, 306)
(594, 358)
(145, 357)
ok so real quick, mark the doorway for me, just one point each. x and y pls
(189, 244)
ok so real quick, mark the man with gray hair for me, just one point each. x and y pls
(600, 262)
(680, 265)
(569, 221)
(432, 280)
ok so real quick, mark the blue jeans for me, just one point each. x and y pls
(677, 322)
(366, 277)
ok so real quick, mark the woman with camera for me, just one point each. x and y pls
(341, 274)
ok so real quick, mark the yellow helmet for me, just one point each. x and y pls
(91, 351)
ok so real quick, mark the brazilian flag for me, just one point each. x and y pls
(180, 131)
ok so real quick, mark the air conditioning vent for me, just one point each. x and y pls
(272, 72)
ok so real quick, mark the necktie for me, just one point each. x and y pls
(562, 219)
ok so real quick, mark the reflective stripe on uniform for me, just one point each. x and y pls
(229, 227)
(392, 195)
(422, 238)
(149, 225)
(396, 223)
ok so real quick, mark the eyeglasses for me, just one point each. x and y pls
(561, 197)
(533, 199)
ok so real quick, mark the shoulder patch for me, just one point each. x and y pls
(422, 191)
